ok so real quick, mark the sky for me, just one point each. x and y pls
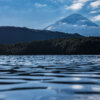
(38, 14)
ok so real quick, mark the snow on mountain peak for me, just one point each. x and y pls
(76, 23)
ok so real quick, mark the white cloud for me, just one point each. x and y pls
(93, 12)
(95, 4)
(77, 4)
(96, 18)
(55, 1)
(81, 1)
(40, 5)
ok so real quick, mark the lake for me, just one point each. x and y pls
(65, 77)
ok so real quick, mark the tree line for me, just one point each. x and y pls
(77, 45)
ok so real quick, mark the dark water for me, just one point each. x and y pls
(50, 77)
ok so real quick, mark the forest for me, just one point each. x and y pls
(76, 45)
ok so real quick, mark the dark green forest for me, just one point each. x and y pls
(79, 45)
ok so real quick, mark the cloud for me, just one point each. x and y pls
(95, 4)
(93, 12)
(39, 5)
(96, 18)
(56, 1)
(77, 4)
(81, 1)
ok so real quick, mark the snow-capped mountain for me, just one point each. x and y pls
(76, 23)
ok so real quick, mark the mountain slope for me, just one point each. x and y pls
(17, 34)
(76, 23)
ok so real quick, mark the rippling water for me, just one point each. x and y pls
(50, 77)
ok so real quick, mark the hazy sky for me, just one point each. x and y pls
(41, 13)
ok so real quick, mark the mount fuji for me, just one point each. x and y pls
(76, 23)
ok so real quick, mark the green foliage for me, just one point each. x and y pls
(80, 45)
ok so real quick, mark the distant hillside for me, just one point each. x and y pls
(85, 45)
(17, 34)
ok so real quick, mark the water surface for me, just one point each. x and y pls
(50, 77)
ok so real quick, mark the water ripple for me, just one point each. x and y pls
(50, 77)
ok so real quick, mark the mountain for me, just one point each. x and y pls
(17, 34)
(76, 23)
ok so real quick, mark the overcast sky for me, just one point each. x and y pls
(40, 13)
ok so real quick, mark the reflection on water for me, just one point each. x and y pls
(50, 77)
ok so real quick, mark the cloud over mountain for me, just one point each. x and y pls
(95, 4)
(77, 4)
(40, 13)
